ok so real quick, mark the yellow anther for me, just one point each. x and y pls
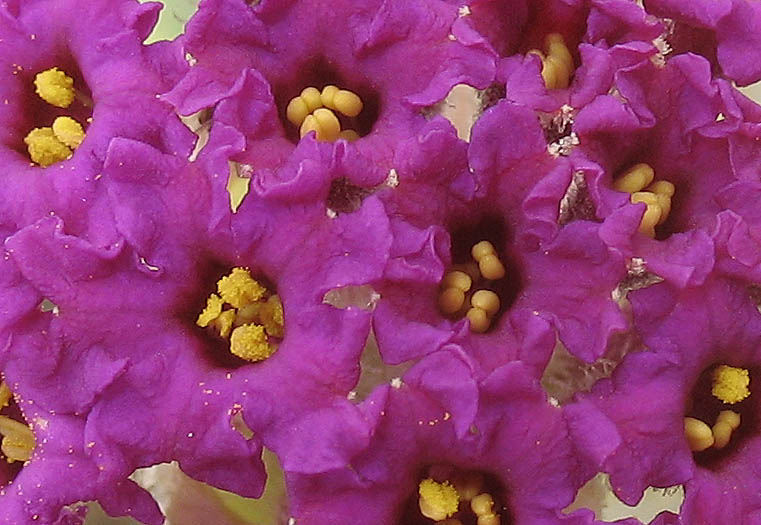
(491, 267)
(248, 314)
(457, 279)
(482, 505)
(311, 96)
(347, 102)
(722, 433)
(296, 111)
(451, 300)
(328, 126)
(698, 434)
(309, 125)
(635, 179)
(653, 213)
(730, 384)
(487, 301)
(557, 64)
(5, 395)
(438, 501)
(271, 316)
(664, 203)
(239, 288)
(488, 519)
(662, 187)
(729, 417)
(18, 440)
(328, 92)
(249, 342)
(481, 250)
(224, 323)
(55, 87)
(212, 311)
(68, 131)
(479, 321)
(44, 148)
(348, 134)
(561, 58)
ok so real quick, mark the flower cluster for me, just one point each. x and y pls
(205, 238)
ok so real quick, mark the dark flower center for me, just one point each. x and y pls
(722, 412)
(481, 283)
(327, 103)
(639, 181)
(452, 496)
(18, 441)
(58, 107)
(242, 318)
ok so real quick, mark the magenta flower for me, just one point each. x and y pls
(517, 452)
(726, 32)
(652, 395)
(253, 61)
(97, 81)
(514, 201)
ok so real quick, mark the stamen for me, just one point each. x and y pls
(557, 64)
(348, 134)
(296, 111)
(486, 300)
(246, 314)
(311, 96)
(224, 323)
(638, 181)
(249, 342)
(313, 110)
(698, 434)
(211, 312)
(18, 440)
(451, 300)
(271, 316)
(730, 384)
(438, 501)
(457, 284)
(727, 422)
(479, 321)
(634, 179)
(5, 395)
(45, 148)
(68, 131)
(239, 288)
(347, 102)
(55, 87)
(327, 125)
(457, 279)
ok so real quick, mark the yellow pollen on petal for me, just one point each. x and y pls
(271, 316)
(239, 288)
(18, 440)
(45, 148)
(68, 131)
(212, 311)
(249, 342)
(730, 384)
(55, 87)
(438, 501)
